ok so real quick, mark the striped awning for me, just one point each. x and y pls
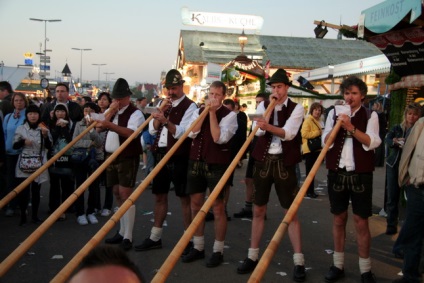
(408, 81)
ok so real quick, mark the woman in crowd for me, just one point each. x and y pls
(62, 180)
(10, 123)
(92, 142)
(311, 128)
(33, 140)
(382, 123)
(395, 140)
(103, 102)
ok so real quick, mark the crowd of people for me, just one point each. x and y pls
(283, 137)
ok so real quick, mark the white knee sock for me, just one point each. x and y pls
(156, 234)
(298, 259)
(253, 254)
(122, 225)
(199, 243)
(218, 246)
(129, 217)
(338, 259)
(364, 265)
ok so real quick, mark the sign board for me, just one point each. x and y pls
(44, 67)
(221, 20)
(28, 61)
(213, 73)
(28, 55)
(43, 57)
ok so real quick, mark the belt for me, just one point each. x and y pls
(274, 156)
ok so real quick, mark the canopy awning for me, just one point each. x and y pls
(385, 16)
(371, 65)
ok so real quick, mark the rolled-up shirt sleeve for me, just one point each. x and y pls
(293, 124)
(372, 131)
(185, 121)
(136, 119)
(228, 127)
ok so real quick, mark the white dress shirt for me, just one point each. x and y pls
(179, 129)
(228, 126)
(291, 127)
(112, 138)
(347, 160)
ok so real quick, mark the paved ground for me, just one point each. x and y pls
(64, 239)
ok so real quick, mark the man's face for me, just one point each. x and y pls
(353, 97)
(258, 101)
(279, 90)
(62, 94)
(175, 92)
(217, 93)
(143, 103)
(122, 101)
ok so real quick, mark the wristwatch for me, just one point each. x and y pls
(165, 124)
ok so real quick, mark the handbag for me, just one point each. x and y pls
(79, 155)
(29, 163)
(314, 144)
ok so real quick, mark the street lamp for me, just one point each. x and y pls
(45, 39)
(98, 73)
(81, 49)
(242, 40)
(107, 81)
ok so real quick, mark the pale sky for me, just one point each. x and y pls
(138, 39)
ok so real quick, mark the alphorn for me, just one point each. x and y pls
(40, 170)
(28, 242)
(272, 247)
(73, 263)
(175, 255)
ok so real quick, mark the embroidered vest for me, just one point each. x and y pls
(203, 148)
(364, 160)
(134, 148)
(291, 149)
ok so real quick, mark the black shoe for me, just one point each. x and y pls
(368, 277)
(209, 216)
(215, 260)
(244, 213)
(117, 239)
(399, 254)
(149, 244)
(187, 249)
(299, 274)
(126, 245)
(247, 266)
(193, 255)
(312, 195)
(391, 230)
(36, 220)
(334, 274)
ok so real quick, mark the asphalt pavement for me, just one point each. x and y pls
(64, 239)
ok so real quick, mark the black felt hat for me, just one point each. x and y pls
(173, 77)
(280, 76)
(121, 89)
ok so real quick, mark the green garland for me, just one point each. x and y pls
(398, 104)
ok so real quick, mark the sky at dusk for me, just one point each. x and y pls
(138, 39)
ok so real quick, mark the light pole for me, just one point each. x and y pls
(107, 81)
(98, 73)
(45, 39)
(81, 49)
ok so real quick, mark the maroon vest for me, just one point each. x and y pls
(175, 116)
(134, 148)
(291, 149)
(203, 148)
(364, 160)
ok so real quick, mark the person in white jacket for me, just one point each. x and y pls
(33, 139)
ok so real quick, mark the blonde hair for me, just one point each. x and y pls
(415, 107)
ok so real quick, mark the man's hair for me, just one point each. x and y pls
(7, 86)
(353, 81)
(62, 84)
(87, 98)
(107, 255)
(229, 101)
(219, 84)
(263, 95)
(141, 98)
